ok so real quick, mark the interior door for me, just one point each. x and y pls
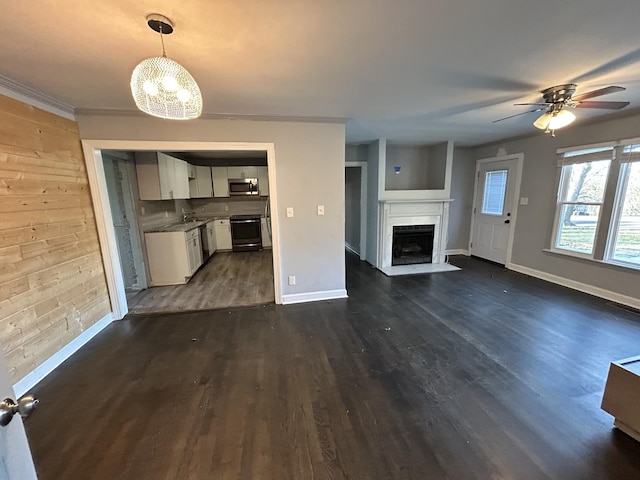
(494, 210)
(15, 456)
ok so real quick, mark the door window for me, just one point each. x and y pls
(495, 187)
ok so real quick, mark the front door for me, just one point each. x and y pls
(494, 209)
(15, 455)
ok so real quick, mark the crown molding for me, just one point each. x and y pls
(33, 97)
(217, 116)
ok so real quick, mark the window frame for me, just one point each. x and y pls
(610, 210)
(561, 190)
(622, 184)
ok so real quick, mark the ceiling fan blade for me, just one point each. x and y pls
(597, 93)
(541, 104)
(522, 113)
(605, 105)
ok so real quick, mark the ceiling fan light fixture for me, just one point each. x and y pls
(554, 120)
(162, 87)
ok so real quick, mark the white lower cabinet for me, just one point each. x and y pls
(173, 257)
(223, 234)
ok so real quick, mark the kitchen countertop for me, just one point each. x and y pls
(185, 226)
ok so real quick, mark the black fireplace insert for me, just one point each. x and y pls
(412, 244)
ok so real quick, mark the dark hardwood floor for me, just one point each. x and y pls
(228, 279)
(476, 374)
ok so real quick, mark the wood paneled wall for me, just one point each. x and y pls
(52, 282)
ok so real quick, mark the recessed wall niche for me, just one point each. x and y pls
(418, 167)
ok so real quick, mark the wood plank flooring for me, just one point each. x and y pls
(227, 280)
(476, 374)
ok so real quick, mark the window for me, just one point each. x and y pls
(596, 184)
(625, 241)
(495, 185)
(580, 196)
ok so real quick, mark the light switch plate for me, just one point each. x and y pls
(320, 209)
(289, 212)
(524, 200)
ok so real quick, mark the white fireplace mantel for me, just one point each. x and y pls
(413, 212)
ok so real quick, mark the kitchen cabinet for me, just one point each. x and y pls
(192, 170)
(209, 244)
(263, 181)
(220, 181)
(266, 236)
(242, 172)
(223, 234)
(200, 185)
(173, 257)
(161, 177)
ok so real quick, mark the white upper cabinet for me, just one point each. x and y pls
(220, 181)
(263, 181)
(200, 185)
(161, 177)
(242, 172)
(181, 179)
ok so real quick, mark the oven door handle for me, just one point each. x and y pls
(244, 221)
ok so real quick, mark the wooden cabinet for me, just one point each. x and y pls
(200, 186)
(223, 234)
(266, 235)
(622, 395)
(161, 177)
(263, 181)
(242, 172)
(173, 257)
(220, 181)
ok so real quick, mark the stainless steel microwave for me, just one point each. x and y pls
(243, 186)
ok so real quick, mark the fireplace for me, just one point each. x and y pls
(412, 244)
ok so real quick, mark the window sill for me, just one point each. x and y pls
(620, 266)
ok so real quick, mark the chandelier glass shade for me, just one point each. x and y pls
(162, 87)
(554, 120)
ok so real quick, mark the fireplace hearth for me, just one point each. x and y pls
(412, 244)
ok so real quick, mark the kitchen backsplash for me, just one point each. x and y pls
(208, 206)
(164, 212)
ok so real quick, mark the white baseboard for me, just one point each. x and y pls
(44, 369)
(351, 249)
(457, 251)
(581, 287)
(313, 296)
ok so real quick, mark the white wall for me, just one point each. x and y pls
(539, 184)
(375, 155)
(413, 162)
(462, 181)
(309, 172)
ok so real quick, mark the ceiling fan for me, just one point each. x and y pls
(558, 99)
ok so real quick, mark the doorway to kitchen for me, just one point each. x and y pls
(355, 208)
(106, 229)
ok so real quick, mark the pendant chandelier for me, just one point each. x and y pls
(162, 87)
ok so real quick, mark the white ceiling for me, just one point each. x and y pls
(412, 71)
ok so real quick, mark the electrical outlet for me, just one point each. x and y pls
(320, 209)
(289, 212)
(142, 211)
(226, 208)
(524, 200)
(292, 280)
(166, 214)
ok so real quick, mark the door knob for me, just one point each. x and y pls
(8, 408)
(507, 221)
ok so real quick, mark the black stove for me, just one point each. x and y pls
(246, 232)
(251, 216)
